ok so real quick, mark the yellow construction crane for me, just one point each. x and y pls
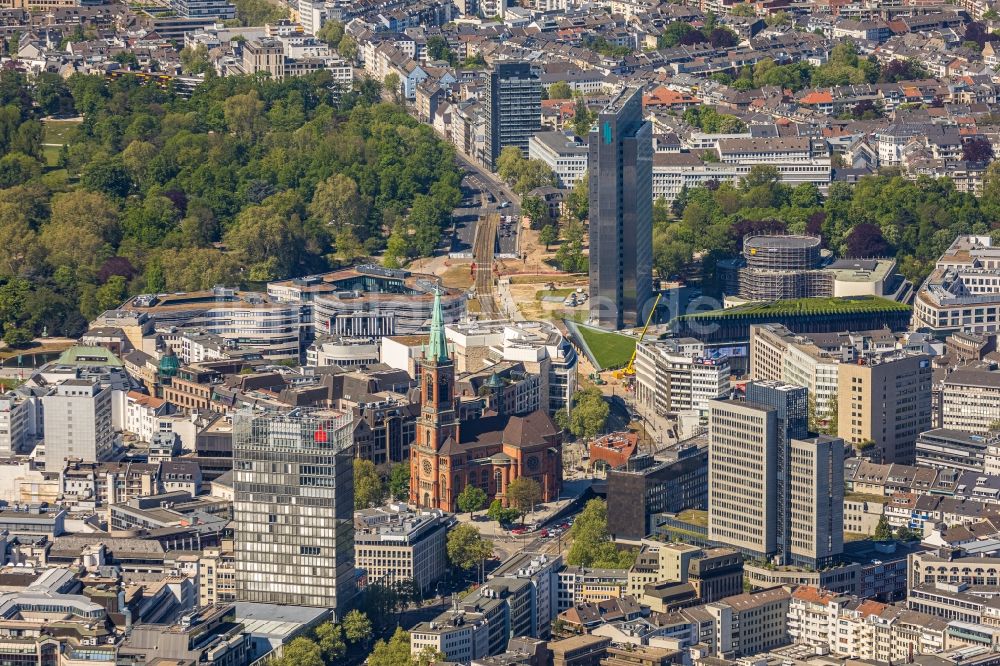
(630, 368)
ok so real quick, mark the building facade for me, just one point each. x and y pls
(293, 512)
(489, 452)
(885, 400)
(621, 213)
(78, 423)
(393, 544)
(742, 469)
(513, 106)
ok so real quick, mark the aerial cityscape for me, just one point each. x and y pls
(495, 333)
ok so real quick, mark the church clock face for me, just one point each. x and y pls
(427, 468)
(533, 463)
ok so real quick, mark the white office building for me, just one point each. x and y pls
(78, 423)
(672, 377)
(563, 152)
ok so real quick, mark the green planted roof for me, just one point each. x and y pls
(805, 306)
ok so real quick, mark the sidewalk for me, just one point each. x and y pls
(571, 491)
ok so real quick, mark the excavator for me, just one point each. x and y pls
(629, 370)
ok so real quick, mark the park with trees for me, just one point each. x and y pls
(881, 215)
(244, 181)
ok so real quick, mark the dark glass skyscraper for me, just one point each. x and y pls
(620, 164)
(514, 108)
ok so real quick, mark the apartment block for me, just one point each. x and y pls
(885, 400)
(16, 423)
(816, 499)
(647, 486)
(747, 624)
(563, 152)
(963, 291)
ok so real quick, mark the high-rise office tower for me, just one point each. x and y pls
(742, 467)
(620, 164)
(513, 108)
(774, 490)
(293, 512)
(816, 498)
(791, 404)
(885, 400)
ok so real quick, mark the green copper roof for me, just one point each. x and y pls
(437, 346)
(494, 382)
(169, 365)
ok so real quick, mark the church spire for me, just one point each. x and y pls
(437, 346)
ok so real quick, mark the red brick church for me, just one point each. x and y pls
(488, 452)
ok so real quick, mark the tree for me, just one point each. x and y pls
(548, 235)
(111, 294)
(396, 652)
(337, 202)
(592, 545)
(17, 337)
(467, 548)
(673, 33)
(357, 626)
(438, 49)
(331, 642)
(523, 493)
(536, 210)
(866, 240)
(589, 414)
(348, 48)
(331, 32)
(368, 488)
(17, 168)
(499, 513)
(471, 499)
(883, 532)
(778, 19)
(578, 199)
(904, 533)
(583, 118)
(258, 12)
(510, 163)
(301, 652)
(399, 481)
(393, 86)
(244, 116)
(977, 149)
(560, 90)
(196, 60)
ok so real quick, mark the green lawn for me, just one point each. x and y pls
(55, 134)
(822, 305)
(58, 131)
(612, 350)
(51, 154)
(694, 516)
